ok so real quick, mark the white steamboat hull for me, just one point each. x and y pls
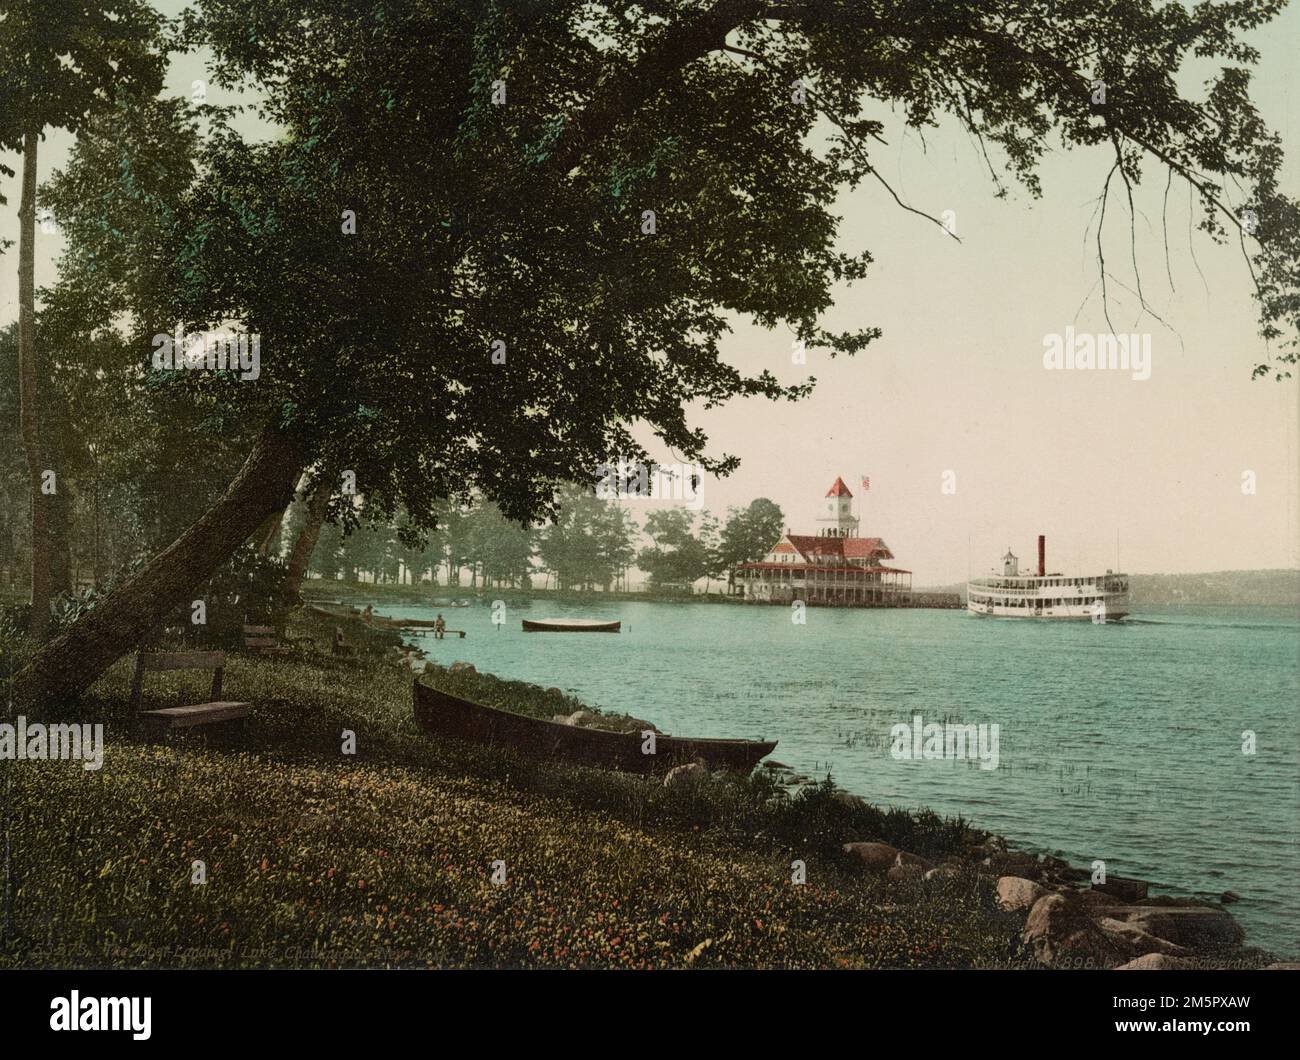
(1064, 612)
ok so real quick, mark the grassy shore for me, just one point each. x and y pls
(314, 857)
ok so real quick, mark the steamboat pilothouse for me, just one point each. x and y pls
(1098, 597)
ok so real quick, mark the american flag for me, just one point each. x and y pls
(866, 482)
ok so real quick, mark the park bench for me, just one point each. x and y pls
(341, 646)
(264, 640)
(164, 720)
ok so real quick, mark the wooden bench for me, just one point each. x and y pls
(341, 646)
(164, 720)
(264, 640)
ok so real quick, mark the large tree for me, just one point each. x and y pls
(61, 62)
(680, 552)
(588, 543)
(748, 535)
(493, 238)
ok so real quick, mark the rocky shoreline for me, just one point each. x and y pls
(1073, 923)
(1069, 922)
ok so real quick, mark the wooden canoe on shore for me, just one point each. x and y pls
(570, 625)
(444, 715)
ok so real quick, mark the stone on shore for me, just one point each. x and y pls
(1157, 962)
(1016, 892)
(458, 667)
(1014, 863)
(1125, 889)
(914, 860)
(1061, 932)
(1138, 941)
(904, 873)
(1196, 927)
(873, 857)
(691, 773)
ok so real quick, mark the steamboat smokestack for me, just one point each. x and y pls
(1042, 555)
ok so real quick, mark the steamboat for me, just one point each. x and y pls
(1097, 597)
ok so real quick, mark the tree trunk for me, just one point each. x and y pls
(33, 443)
(72, 661)
(300, 556)
(269, 532)
(58, 520)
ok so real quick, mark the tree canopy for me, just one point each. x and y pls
(492, 241)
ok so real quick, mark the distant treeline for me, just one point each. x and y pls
(1279, 588)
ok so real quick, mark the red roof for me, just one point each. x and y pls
(839, 489)
(840, 547)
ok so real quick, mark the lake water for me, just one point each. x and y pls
(1119, 742)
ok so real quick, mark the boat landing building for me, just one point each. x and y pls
(834, 567)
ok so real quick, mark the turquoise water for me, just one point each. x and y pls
(1117, 742)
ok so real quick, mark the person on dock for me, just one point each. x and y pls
(439, 627)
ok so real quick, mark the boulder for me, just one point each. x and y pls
(1014, 863)
(992, 845)
(691, 773)
(905, 873)
(942, 872)
(1196, 927)
(1127, 890)
(580, 717)
(1139, 942)
(458, 667)
(1100, 904)
(1061, 932)
(874, 857)
(563, 719)
(1157, 962)
(904, 858)
(1016, 892)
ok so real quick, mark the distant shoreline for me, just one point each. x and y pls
(1257, 588)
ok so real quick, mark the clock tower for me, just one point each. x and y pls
(837, 518)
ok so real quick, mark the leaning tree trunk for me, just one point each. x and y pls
(269, 531)
(300, 557)
(33, 443)
(73, 660)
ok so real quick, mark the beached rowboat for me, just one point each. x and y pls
(570, 625)
(445, 715)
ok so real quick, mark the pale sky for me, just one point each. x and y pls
(957, 381)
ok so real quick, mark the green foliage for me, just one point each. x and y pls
(60, 60)
(383, 860)
(680, 555)
(749, 533)
(589, 543)
(246, 589)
